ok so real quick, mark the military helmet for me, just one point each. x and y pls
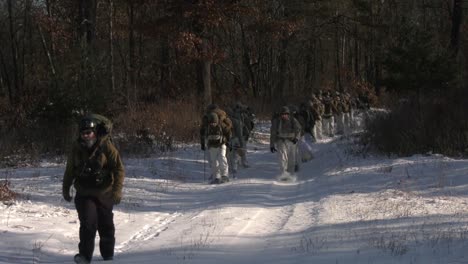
(239, 105)
(211, 107)
(88, 123)
(213, 118)
(285, 110)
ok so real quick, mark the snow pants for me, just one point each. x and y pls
(287, 152)
(236, 156)
(305, 150)
(218, 161)
(317, 130)
(347, 123)
(95, 214)
(328, 126)
(339, 119)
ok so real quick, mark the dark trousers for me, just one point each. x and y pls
(95, 214)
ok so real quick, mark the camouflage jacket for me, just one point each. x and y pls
(237, 136)
(94, 171)
(284, 129)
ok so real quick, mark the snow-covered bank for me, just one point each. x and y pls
(341, 209)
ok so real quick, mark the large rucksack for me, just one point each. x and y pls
(224, 120)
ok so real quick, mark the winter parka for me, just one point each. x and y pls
(95, 171)
(284, 129)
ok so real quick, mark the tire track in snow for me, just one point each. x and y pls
(148, 232)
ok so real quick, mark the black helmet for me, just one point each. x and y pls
(87, 123)
(211, 107)
(213, 118)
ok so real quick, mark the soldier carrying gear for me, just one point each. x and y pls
(317, 110)
(95, 169)
(284, 134)
(307, 121)
(328, 121)
(346, 101)
(222, 117)
(238, 142)
(247, 118)
(215, 132)
(338, 114)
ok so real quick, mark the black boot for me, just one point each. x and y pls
(80, 259)
(224, 179)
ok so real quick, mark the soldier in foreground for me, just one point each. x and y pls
(96, 171)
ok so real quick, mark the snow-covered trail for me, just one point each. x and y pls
(252, 217)
(342, 209)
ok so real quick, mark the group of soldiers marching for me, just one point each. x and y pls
(224, 134)
(325, 114)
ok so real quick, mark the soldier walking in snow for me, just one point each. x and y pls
(317, 110)
(237, 141)
(215, 134)
(338, 113)
(328, 120)
(246, 121)
(284, 135)
(346, 99)
(95, 169)
(307, 122)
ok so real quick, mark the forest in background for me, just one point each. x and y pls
(153, 65)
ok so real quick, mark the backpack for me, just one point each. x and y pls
(224, 120)
(104, 125)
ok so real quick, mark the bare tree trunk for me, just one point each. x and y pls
(111, 45)
(356, 53)
(316, 73)
(456, 23)
(26, 26)
(164, 68)
(87, 24)
(7, 78)
(49, 7)
(15, 93)
(337, 61)
(250, 83)
(49, 55)
(131, 92)
(282, 69)
(206, 75)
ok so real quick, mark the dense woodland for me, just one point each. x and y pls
(152, 66)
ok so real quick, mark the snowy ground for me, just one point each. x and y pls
(343, 208)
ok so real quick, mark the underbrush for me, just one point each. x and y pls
(157, 128)
(138, 130)
(438, 125)
(143, 129)
(6, 194)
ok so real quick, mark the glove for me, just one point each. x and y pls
(203, 147)
(66, 195)
(272, 149)
(294, 140)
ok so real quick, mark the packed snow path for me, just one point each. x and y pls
(343, 208)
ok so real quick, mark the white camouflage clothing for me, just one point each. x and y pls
(282, 134)
(218, 161)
